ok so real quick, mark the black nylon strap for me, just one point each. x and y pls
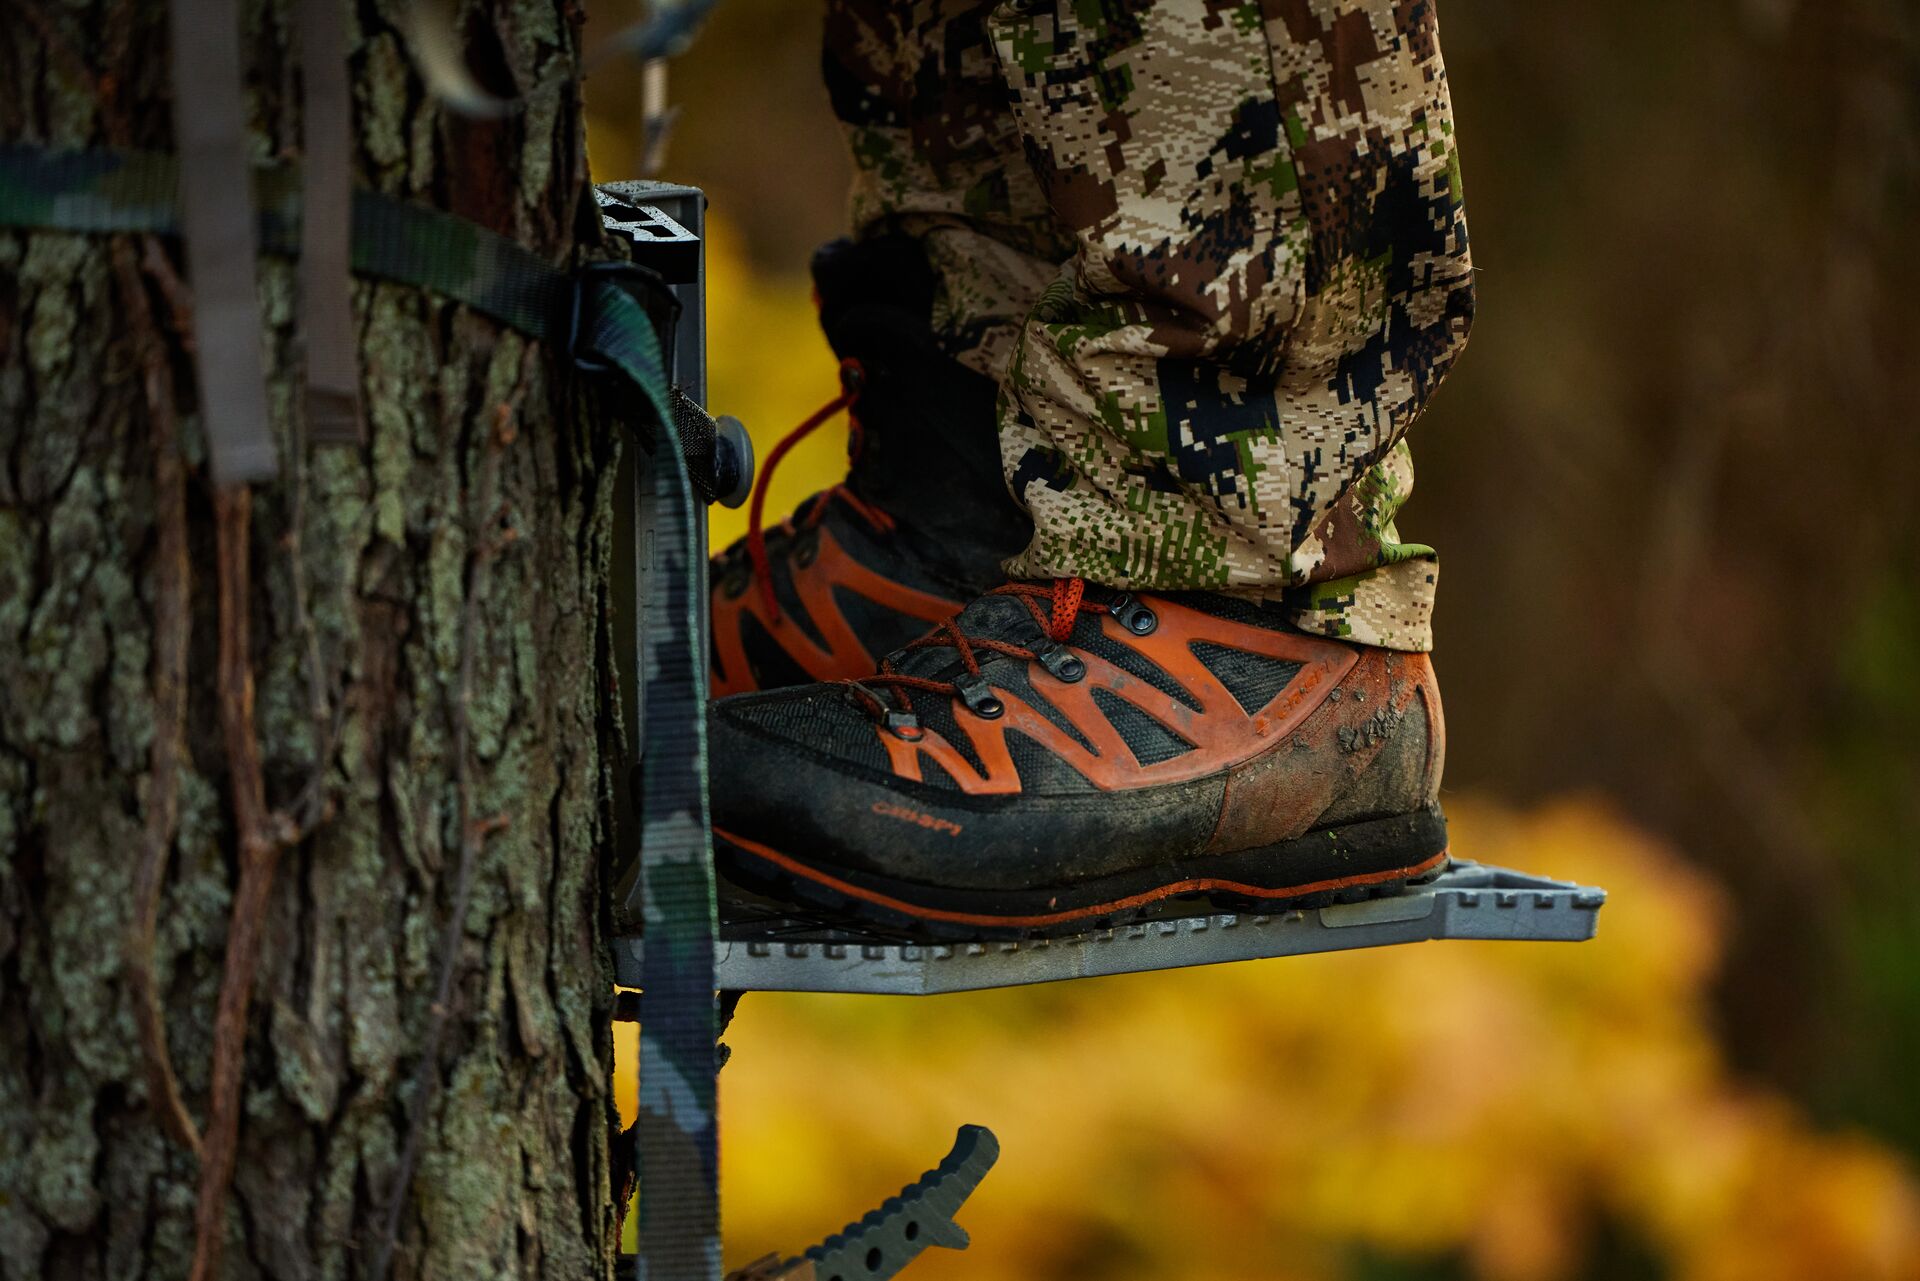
(592, 316)
(106, 190)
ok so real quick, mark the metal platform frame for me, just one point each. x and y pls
(1468, 901)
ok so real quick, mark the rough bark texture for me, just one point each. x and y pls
(445, 584)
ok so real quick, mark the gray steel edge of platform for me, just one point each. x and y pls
(1468, 901)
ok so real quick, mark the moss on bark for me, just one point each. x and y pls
(358, 662)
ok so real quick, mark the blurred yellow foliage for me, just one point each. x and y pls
(1496, 1103)
(768, 366)
(1508, 1107)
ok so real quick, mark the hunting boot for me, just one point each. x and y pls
(1061, 757)
(920, 525)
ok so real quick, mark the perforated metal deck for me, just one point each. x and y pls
(1468, 901)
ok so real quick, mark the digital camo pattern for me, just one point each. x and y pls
(676, 1135)
(1215, 252)
(937, 154)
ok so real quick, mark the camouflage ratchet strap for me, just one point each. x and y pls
(599, 318)
(677, 1155)
(102, 191)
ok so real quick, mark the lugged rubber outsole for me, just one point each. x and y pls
(1346, 863)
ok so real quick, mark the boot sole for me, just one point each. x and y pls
(1336, 864)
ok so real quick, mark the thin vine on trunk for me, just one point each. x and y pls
(303, 789)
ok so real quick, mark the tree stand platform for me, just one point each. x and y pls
(778, 953)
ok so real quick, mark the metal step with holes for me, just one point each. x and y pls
(1468, 901)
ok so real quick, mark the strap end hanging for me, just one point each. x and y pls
(333, 416)
(326, 229)
(218, 225)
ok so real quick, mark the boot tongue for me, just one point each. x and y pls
(991, 617)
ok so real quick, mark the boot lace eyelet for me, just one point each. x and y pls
(1062, 663)
(905, 725)
(1134, 616)
(980, 700)
(807, 549)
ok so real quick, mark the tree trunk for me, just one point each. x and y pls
(426, 628)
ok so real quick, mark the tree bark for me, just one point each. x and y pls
(427, 639)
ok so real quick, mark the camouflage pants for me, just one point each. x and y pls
(1215, 255)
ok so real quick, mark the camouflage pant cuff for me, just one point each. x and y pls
(1390, 606)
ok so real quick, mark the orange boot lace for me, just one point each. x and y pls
(1054, 607)
(852, 381)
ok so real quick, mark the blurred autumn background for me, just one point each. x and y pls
(1673, 484)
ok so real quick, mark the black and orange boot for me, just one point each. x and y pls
(1058, 758)
(920, 525)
